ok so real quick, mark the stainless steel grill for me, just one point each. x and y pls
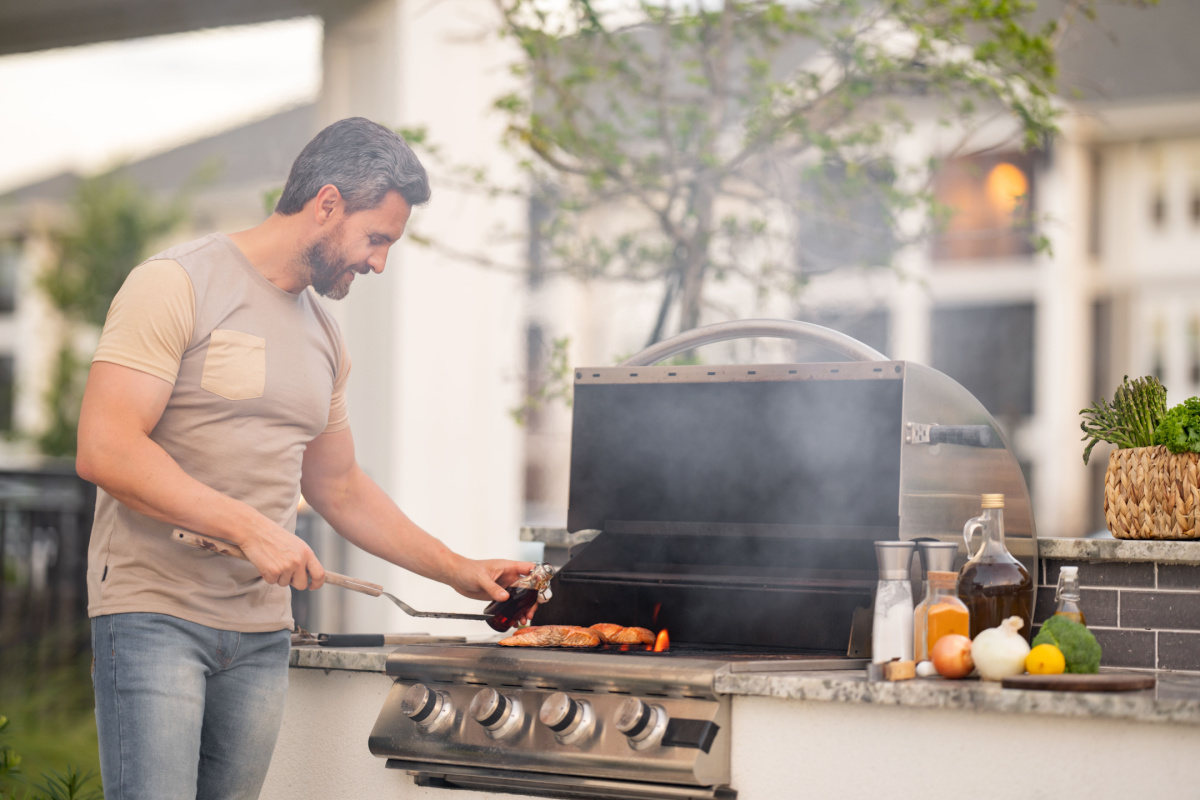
(736, 507)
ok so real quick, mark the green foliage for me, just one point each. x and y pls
(270, 198)
(1136, 411)
(1079, 647)
(62, 400)
(47, 699)
(10, 762)
(553, 384)
(113, 225)
(69, 785)
(1179, 430)
(704, 125)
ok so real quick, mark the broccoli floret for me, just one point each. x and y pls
(1079, 647)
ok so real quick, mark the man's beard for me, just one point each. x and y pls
(327, 271)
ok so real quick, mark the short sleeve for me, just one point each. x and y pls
(150, 321)
(339, 416)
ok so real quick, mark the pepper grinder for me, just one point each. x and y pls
(892, 625)
(936, 557)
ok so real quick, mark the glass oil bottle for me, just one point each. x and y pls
(993, 584)
(1067, 595)
(522, 595)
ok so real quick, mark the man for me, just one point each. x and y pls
(216, 396)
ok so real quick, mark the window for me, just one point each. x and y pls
(988, 201)
(10, 264)
(1158, 207)
(8, 391)
(1095, 208)
(989, 350)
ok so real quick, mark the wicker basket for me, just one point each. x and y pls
(1152, 493)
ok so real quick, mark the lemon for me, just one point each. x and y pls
(1045, 659)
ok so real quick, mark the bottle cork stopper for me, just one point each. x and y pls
(942, 580)
(993, 501)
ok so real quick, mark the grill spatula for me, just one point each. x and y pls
(344, 581)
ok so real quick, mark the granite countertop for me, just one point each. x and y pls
(1161, 550)
(1176, 698)
(351, 659)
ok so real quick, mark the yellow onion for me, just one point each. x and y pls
(951, 656)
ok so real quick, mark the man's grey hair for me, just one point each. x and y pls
(363, 159)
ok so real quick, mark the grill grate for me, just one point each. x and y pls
(681, 650)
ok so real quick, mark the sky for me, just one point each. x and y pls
(85, 108)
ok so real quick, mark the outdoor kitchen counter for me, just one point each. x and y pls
(1176, 699)
(803, 735)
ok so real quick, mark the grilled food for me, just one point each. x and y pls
(618, 634)
(553, 636)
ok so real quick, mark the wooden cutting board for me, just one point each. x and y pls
(1103, 682)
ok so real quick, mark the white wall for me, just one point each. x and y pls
(436, 343)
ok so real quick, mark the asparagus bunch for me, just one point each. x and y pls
(1138, 407)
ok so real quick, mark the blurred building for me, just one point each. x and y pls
(442, 348)
(1035, 334)
(436, 342)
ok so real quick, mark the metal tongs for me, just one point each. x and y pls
(337, 579)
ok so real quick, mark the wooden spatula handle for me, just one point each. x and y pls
(226, 549)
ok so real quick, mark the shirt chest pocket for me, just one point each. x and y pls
(235, 365)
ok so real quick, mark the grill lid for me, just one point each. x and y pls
(737, 505)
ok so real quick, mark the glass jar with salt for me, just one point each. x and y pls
(892, 624)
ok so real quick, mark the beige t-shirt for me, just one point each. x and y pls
(258, 373)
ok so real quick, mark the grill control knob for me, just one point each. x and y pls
(570, 719)
(642, 724)
(498, 713)
(430, 709)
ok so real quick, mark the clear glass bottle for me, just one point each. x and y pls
(993, 584)
(940, 613)
(1067, 595)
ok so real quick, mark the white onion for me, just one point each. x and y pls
(1000, 652)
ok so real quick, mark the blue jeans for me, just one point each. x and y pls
(184, 711)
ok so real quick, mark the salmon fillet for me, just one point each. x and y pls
(552, 636)
(618, 634)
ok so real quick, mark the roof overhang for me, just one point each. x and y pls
(30, 26)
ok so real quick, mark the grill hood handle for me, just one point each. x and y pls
(754, 329)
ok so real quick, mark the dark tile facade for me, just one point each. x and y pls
(1179, 576)
(1109, 574)
(1178, 650)
(1145, 615)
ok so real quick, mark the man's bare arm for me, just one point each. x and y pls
(121, 406)
(358, 509)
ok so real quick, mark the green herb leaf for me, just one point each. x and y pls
(1179, 431)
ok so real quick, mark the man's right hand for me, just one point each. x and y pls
(121, 406)
(282, 558)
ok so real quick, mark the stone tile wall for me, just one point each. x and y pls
(1146, 615)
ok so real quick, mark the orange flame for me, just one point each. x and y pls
(663, 642)
(657, 608)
